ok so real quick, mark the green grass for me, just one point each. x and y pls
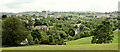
(87, 40)
(66, 47)
(80, 44)
(115, 33)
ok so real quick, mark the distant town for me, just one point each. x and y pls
(59, 14)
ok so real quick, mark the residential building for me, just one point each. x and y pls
(42, 27)
(56, 14)
(119, 6)
(77, 30)
(44, 14)
(24, 42)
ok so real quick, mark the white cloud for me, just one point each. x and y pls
(58, 5)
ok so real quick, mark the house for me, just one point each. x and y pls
(33, 18)
(30, 26)
(117, 29)
(75, 21)
(77, 30)
(25, 20)
(24, 42)
(42, 27)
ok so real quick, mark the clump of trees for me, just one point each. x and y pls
(103, 33)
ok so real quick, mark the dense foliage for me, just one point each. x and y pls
(103, 33)
(13, 31)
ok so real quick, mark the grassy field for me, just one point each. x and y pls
(66, 47)
(80, 44)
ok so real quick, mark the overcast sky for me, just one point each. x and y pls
(58, 5)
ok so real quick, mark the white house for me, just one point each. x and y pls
(24, 42)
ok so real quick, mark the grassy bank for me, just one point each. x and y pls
(80, 44)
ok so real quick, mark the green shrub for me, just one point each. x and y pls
(61, 42)
(70, 38)
(44, 41)
(52, 43)
(36, 41)
(77, 36)
(56, 41)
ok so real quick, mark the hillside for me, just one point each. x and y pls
(87, 40)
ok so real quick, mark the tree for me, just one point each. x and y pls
(62, 34)
(103, 33)
(36, 34)
(81, 27)
(13, 31)
(30, 39)
(4, 16)
(71, 32)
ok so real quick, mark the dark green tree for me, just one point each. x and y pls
(4, 16)
(51, 38)
(36, 34)
(103, 33)
(71, 32)
(13, 31)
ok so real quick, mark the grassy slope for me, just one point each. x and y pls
(87, 40)
(80, 44)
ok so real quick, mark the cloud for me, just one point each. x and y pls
(15, 4)
(59, 5)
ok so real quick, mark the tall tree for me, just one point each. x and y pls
(103, 33)
(13, 31)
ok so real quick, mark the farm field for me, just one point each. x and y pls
(80, 44)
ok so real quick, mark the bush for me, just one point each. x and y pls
(64, 43)
(70, 38)
(36, 41)
(61, 42)
(82, 34)
(44, 41)
(51, 38)
(77, 36)
(56, 41)
(52, 43)
(71, 32)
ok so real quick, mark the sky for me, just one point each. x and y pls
(58, 5)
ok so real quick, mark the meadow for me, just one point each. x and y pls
(80, 44)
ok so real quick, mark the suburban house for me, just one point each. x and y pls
(24, 42)
(77, 30)
(30, 26)
(25, 20)
(42, 27)
(75, 21)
